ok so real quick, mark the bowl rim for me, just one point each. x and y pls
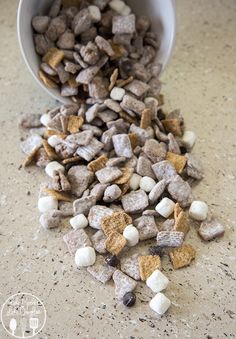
(67, 100)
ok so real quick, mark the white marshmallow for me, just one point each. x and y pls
(126, 10)
(135, 181)
(54, 140)
(157, 281)
(198, 210)
(131, 234)
(189, 139)
(117, 5)
(79, 221)
(95, 13)
(85, 256)
(45, 119)
(147, 184)
(151, 101)
(47, 203)
(160, 303)
(53, 166)
(117, 93)
(165, 207)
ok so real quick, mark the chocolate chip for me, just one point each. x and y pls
(161, 114)
(183, 150)
(129, 299)
(112, 260)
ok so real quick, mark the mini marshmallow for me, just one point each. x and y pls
(117, 5)
(54, 140)
(126, 10)
(117, 93)
(160, 303)
(85, 256)
(147, 184)
(45, 119)
(79, 221)
(165, 207)
(47, 203)
(198, 210)
(53, 166)
(131, 234)
(157, 281)
(135, 181)
(95, 13)
(189, 139)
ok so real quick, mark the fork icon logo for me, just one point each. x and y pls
(23, 315)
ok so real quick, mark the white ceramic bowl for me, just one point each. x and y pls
(161, 12)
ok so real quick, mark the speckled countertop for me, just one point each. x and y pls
(201, 81)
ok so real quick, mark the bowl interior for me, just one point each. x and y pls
(161, 12)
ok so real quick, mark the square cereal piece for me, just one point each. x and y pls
(115, 243)
(146, 227)
(123, 284)
(182, 256)
(148, 264)
(123, 24)
(132, 104)
(126, 175)
(170, 238)
(182, 223)
(177, 210)
(48, 82)
(180, 191)
(98, 241)
(53, 57)
(115, 222)
(76, 239)
(100, 270)
(154, 150)
(49, 151)
(98, 163)
(133, 140)
(122, 145)
(60, 196)
(108, 174)
(173, 126)
(146, 118)
(179, 161)
(137, 87)
(130, 266)
(74, 123)
(30, 157)
(91, 150)
(210, 230)
(135, 201)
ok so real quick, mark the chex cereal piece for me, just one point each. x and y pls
(80, 178)
(133, 140)
(130, 266)
(74, 123)
(50, 219)
(137, 87)
(173, 145)
(104, 45)
(178, 161)
(157, 191)
(135, 202)
(146, 226)
(168, 225)
(86, 75)
(182, 223)
(60, 196)
(160, 303)
(122, 145)
(115, 222)
(144, 167)
(98, 191)
(194, 167)
(98, 241)
(100, 270)
(108, 174)
(80, 139)
(123, 24)
(154, 150)
(98, 163)
(127, 117)
(116, 161)
(98, 87)
(70, 160)
(115, 243)
(177, 210)
(164, 170)
(180, 191)
(130, 103)
(30, 157)
(173, 126)
(124, 82)
(170, 239)
(148, 264)
(165, 207)
(53, 57)
(32, 142)
(76, 239)
(113, 105)
(211, 229)
(96, 215)
(113, 78)
(140, 132)
(182, 256)
(157, 281)
(123, 284)
(49, 151)
(146, 118)
(126, 175)
(112, 193)
(83, 205)
(91, 150)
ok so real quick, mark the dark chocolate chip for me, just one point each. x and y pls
(161, 114)
(112, 260)
(129, 299)
(183, 150)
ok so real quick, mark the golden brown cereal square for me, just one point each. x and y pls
(179, 161)
(74, 123)
(30, 157)
(127, 117)
(60, 196)
(148, 264)
(182, 223)
(146, 118)
(98, 163)
(182, 256)
(172, 126)
(115, 243)
(71, 160)
(133, 139)
(46, 80)
(115, 222)
(113, 78)
(126, 175)
(177, 210)
(53, 57)
(49, 150)
(124, 82)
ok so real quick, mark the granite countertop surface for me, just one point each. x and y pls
(201, 81)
